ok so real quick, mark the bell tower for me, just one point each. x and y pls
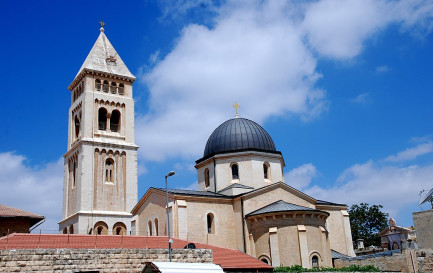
(100, 179)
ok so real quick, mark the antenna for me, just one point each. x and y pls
(428, 198)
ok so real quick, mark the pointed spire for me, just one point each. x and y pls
(104, 58)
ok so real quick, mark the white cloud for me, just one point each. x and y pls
(391, 186)
(38, 190)
(382, 69)
(361, 98)
(301, 177)
(254, 55)
(412, 153)
(261, 54)
(338, 29)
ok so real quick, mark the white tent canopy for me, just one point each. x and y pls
(165, 267)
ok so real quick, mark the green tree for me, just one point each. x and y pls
(366, 221)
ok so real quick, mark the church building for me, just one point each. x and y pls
(242, 201)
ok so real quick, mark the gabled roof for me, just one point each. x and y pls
(226, 258)
(237, 185)
(104, 58)
(338, 255)
(327, 203)
(10, 212)
(281, 206)
(194, 193)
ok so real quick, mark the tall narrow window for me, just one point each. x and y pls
(149, 224)
(102, 119)
(98, 85)
(113, 88)
(105, 86)
(235, 171)
(206, 178)
(121, 89)
(115, 121)
(74, 173)
(315, 262)
(210, 224)
(71, 229)
(109, 170)
(77, 126)
(156, 227)
(266, 170)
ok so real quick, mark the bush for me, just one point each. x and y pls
(352, 268)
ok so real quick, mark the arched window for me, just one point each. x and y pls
(98, 85)
(65, 230)
(121, 89)
(115, 121)
(266, 170)
(149, 226)
(113, 88)
(77, 126)
(315, 262)
(71, 229)
(156, 227)
(100, 228)
(210, 224)
(206, 178)
(102, 119)
(119, 228)
(235, 171)
(109, 170)
(74, 172)
(105, 86)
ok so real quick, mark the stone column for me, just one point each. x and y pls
(303, 246)
(274, 247)
(182, 219)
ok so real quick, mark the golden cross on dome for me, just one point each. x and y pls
(102, 26)
(236, 106)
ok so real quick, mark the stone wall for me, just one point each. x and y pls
(402, 262)
(99, 260)
(425, 260)
(423, 221)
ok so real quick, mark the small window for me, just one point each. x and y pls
(235, 171)
(105, 86)
(109, 170)
(315, 262)
(121, 89)
(113, 88)
(206, 178)
(98, 85)
(71, 229)
(156, 227)
(115, 121)
(149, 225)
(210, 224)
(65, 230)
(102, 119)
(266, 170)
(77, 126)
(119, 228)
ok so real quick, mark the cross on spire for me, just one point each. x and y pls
(102, 26)
(236, 106)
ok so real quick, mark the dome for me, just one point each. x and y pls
(238, 134)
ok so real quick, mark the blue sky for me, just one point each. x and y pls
(343, 87)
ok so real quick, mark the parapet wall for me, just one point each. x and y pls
(99, 260)
(420, 260)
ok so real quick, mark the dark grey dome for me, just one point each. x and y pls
(238, 134)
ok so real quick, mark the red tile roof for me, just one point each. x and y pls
(226, 258)
(8, 212)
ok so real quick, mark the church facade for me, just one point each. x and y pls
(242, 201)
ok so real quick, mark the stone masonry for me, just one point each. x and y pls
(421, 260)
(100, 260)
